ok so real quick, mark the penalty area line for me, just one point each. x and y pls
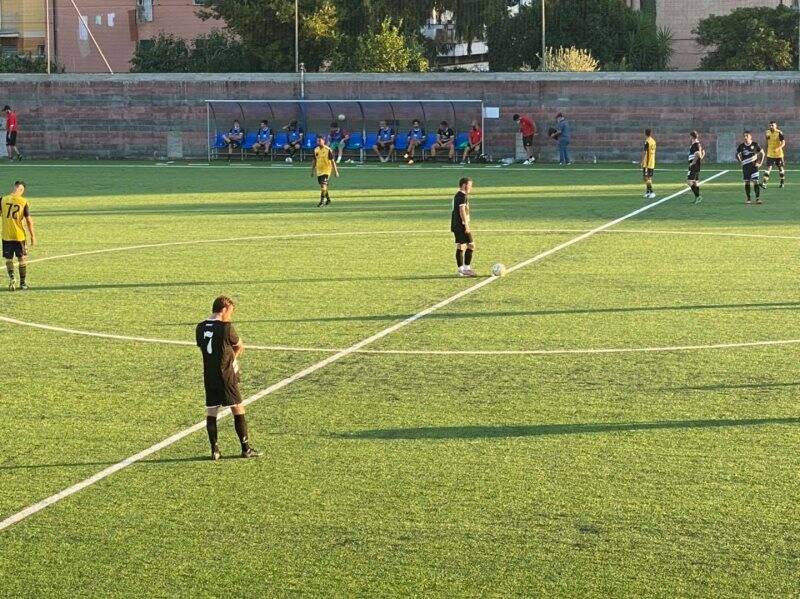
(129, 461)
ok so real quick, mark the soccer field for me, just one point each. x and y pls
(616, 418)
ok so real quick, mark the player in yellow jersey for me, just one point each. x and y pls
(649, 163)
(776, 142)
(15, 210)
(322, 166)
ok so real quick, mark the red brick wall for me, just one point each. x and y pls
(130, 116)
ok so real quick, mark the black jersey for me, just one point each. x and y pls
(692, 151)
(748, 153)
(216, 340)
(445, 134)
(460, 199)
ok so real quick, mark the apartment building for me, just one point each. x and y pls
(22, 26)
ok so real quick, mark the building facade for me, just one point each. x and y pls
(22, 27)
(117, 26)
(682, 16)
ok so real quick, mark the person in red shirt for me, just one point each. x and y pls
(528, 129)
(11, 133)
(475, 142)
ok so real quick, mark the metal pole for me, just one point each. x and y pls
(47, 29)
(544, 41)
(296, 36)
(302, 81)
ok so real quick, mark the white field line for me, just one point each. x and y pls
(376, 167)
(105, 473)
(422, 352)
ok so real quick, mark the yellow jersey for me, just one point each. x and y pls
(324, 160)
(649, 153)
(14, 210)
(774, 139)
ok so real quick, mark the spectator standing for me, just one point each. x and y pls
(12, 128)
(528, 130)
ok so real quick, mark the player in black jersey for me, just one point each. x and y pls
(696, 155)
(750, 155)
(459, 225)
(221, 346)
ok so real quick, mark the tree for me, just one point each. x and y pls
(611, 31)
(216, 52)
(388, 51)
(568, 60)
(164, 54)
(750, 39)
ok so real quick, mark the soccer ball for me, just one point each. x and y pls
(289, 159)
(341, 117)
(498, 270)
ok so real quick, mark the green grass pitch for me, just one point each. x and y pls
(646, 473)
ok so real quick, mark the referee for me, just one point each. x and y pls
(221, 346)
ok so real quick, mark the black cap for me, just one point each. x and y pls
(6, 107)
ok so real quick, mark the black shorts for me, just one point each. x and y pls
(694, 172)
(323, 179)
(11, 138)
(775, 162)
(648, 173)
(750, 172)
(462, 236)
(383, 143)
(527, 141)
(224, 393)
(14, 248)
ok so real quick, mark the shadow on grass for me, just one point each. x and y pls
(766, 385)
(542, 430)
(203, 458)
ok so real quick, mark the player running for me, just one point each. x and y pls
(15, 210)
(459, 225)
(12, 128)
(649, 163)
(221, 348)
(323, 165)
(750, 155)
(776, 143)
(696, 155)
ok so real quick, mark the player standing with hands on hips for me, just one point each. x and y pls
(221, 348)
(696, 155)
(459, 225)
(750, 155)
(323, 165)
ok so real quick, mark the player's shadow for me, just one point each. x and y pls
(543, 430)
(203, 458)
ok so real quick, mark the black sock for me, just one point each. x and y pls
(327, 195)
(459, 257)
(23, 272)
(747, 189)
(321, 196)
(467, 257)
(783, 177)
(10, 268)
(766, 178)
(240, 424)
(757, 187)
(649, 188)
(211, 427)
(696, 190)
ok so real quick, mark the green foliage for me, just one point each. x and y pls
(216, 52)
(611, 31)
(750, 39)
(569, 60)
(388, 51)
(24, 63)
(164, 54)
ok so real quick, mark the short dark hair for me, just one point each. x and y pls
(443, 123)
(772, 122)
(694, 135)
(560, 115)
(515, 117)
(415, 121)
(648, 132)
(6, 107)
(334, 124)
(19, 182)
(746, 132)
(222, 302)
(463, 181)
(265, 122)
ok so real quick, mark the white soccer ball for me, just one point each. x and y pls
(342, 117)
(289, 159)
(498, 270)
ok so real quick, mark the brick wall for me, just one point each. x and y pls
(133, 115)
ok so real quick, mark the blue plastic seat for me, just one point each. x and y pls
(372, 139)
(401, 142)
(356, 141)
(431, 139)
(462, 141)
(309, 141)
(280, 139)
(249, 140)
(219, 143)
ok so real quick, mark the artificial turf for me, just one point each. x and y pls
(624, 474)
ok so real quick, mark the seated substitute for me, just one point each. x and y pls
(474, 144)
(264, 138)
(233, 139)
(337, 139)
(294, 139)
(416, 138)
(384, 141)
(445, 139)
